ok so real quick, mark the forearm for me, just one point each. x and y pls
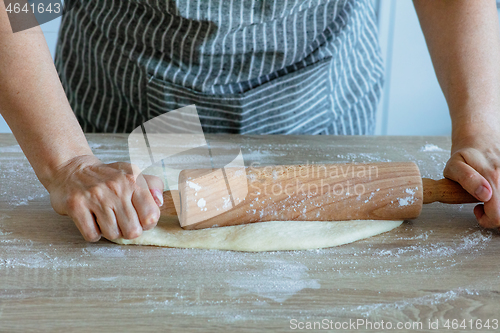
(464, 42)
(33, 102)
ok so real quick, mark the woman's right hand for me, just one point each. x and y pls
(106, 199)
(102, 199)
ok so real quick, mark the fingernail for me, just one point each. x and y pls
(482, 192)
(158, 196)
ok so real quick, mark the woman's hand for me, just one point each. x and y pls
(106, 199)
(464, 43)
(475, 164)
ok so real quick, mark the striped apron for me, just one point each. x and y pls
(249, 66)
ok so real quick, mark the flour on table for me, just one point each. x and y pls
(263, 236)
(431, 147)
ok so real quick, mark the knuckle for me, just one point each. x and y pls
(130, 178)
(149, 226)
(150, 221)
(96, 192)
(447, 173)
(490, 152)
(91, 236)
(121, 166)
(75, 202)
(489, 223)
(141, 192)
(114, 185)
(494, 176)
(466, 153)
(466, 177)
(112, 235)
(155, 215)
(495, 162)
(133, 233)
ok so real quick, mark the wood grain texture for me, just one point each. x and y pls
(446, 191)
(440, 266)
(311, 192)
(316, 192)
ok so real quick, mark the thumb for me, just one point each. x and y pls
(472, 181)
(156, 187)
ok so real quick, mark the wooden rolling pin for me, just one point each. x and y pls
(313, 192)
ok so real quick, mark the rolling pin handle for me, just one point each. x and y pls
(445, 191)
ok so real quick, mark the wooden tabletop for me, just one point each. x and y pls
(441, 266)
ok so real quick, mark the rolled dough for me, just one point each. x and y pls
(264, 236)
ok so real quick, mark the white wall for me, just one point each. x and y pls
(413, 103)
(50, 30)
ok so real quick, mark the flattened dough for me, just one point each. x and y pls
(265, 236)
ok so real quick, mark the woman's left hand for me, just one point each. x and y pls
(475, 164)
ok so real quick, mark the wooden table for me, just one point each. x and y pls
(441, 266)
